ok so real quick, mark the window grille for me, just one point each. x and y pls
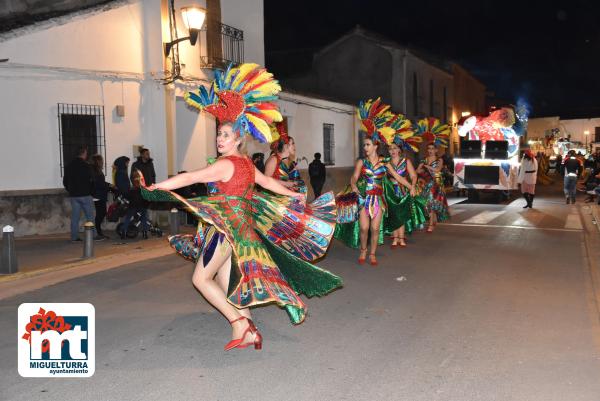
(328, 144)
(80, 124)
(225, 45)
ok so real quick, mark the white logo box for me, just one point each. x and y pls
(78, 362)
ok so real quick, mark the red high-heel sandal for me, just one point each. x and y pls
(402, 243)
(362, 259)
(429, 229)
(373, 259)
(238, 342)
(394, 244)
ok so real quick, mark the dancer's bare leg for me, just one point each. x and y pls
(364, 222)
(375, 223)
(203, 279)
(222, 279)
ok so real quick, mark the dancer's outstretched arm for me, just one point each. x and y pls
(222, 170)
(274, 185)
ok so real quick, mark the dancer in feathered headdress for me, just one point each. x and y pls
(367, 182)
(281, 165)
(430, 169)
(406, 212)
(256, 245)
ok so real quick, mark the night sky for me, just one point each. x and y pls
(547, 52)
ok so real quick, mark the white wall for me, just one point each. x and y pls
(536, 127)
(576, 128)
(104, 61)
(306, 117)
(247, 15)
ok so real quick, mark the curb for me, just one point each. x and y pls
(70, 265)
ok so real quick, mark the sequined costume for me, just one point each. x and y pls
(371, 188)
(433, 191)
(403, 209)
(271, 239)
(286, 171)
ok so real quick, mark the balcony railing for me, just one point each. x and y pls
(224, 45)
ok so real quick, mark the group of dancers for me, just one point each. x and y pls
(257, 238)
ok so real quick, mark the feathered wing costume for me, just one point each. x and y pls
(375, 118)
(403, 209)
(272, 237)
(432, 186)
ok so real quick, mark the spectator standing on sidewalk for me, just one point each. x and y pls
(120, 175)
(146, 165)
(572, 168)
(101, 188)
(317, 173)
(79, 183)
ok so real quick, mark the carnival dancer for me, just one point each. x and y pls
(406, 211)
(245, 257)
(281, 165)
(367, 182)
(430, 168)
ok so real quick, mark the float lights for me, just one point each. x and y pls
(465, 114)
(193, 18)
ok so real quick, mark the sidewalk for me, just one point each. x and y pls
(40, 254)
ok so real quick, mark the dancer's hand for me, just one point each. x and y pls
(151, 187)
(413, 191)
(354, 189)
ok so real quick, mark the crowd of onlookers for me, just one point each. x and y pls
(88, 189)
(580, 173)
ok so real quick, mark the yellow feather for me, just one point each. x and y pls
(272, 114)
(244, 70)
(262, 126)
(387, 133)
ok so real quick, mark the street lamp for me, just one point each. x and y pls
(586, 133)
(193, 18)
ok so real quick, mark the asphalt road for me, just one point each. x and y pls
(495, 307)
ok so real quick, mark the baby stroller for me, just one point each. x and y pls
(118, 210)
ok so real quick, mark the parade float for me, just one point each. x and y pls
(489, 153)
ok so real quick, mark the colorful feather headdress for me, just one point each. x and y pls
(374, 118)
(404, 133)
(244, 96)
(433, 131)
(279, 134)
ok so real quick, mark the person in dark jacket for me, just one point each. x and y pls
(100, 193)
(79, 183)
(136, 204)
(121, 177)
(259, 161)
(317, 173)
(144, 164)
(572, 169)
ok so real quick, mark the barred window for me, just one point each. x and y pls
(78, 125)
(328, 144)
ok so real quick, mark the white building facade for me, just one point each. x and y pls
(105, 68)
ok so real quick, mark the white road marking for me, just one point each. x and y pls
(573, 222)
(483, 217)
(503, 226)
(454, 212)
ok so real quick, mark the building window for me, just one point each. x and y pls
(415, 95)
(328, 144)
(80, 124)
(431, 110)
(597, 134)
(445, 106)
